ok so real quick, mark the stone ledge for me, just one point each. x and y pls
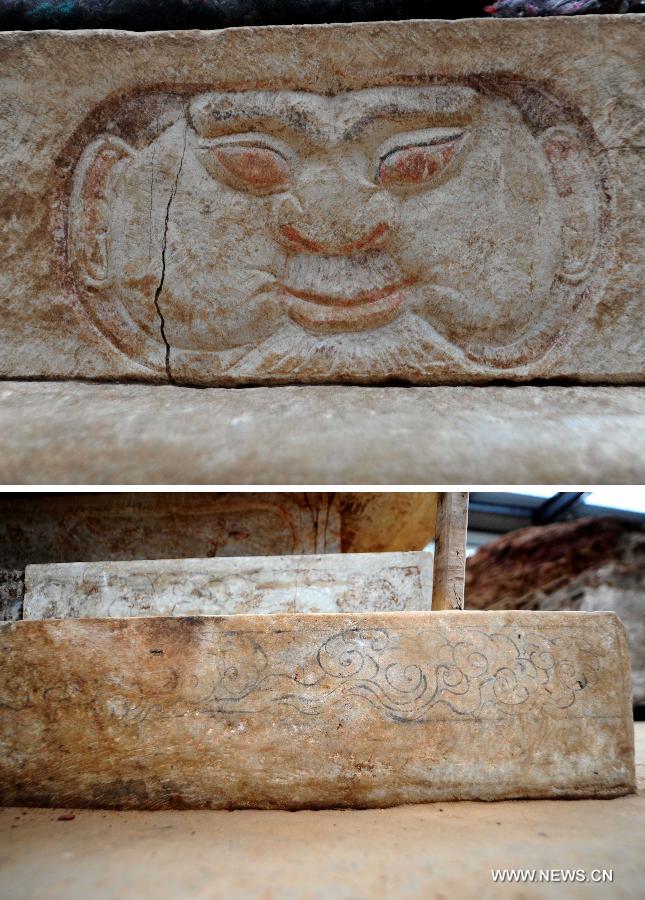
(79, 433)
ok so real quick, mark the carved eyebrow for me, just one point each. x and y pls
(320, 118)
(436, 105)
(221, 113)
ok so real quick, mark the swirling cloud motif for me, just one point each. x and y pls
(462, 673)
(477, 675)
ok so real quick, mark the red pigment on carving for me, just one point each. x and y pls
(296, 237)
(355, 300)
(372, 236)
(414, 165)
(257, 166)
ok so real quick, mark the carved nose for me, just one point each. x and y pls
(300, 241)
(336, 225)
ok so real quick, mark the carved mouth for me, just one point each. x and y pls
(326, 313)
(343, 293)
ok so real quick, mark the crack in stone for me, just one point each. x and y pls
(162, 320)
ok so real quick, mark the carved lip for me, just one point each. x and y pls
(366, 309)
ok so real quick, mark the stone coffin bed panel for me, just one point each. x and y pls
(427, 201)
(314, 711)
(333, 583)
(72, 433)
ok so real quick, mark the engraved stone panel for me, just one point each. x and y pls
(443, 202)
(296, 711)
(355, 582)
(62, 528)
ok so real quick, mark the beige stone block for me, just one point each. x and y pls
(161, 434)
(623, 592)
(95, 527)
(299, 711)
(378, 521)
(126, 525)
(355, 582)
(433, 201)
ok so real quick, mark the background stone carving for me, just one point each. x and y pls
(460, 215)
(354, 582)
(59, 528)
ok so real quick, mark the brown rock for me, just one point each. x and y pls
(301, 711)
(516, 570)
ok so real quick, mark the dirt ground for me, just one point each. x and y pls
(439, 850)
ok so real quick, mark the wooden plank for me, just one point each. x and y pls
(333, 582)
(450, 551)
(299, 711)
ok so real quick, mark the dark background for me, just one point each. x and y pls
(163, 14)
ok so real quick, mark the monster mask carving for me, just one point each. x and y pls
(276, 236)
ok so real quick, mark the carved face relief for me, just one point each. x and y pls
(381, 233)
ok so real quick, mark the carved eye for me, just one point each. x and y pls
(416, 163)
(249, 166)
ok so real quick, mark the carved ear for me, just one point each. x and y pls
(89, 209)
(576, 180)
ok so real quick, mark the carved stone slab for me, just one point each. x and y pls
(353, 582)
(52, 528)
(428, 201)
(302, 711)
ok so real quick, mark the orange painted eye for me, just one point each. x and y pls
(253, 167)
(416, 163)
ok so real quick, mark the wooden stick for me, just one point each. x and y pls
(450, 551)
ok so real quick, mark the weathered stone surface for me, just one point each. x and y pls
(616, 587)
(311, 711)
(521, 569)
(430, 201)
(380, 522)
(621, 590)
(12, 585)
(354, 582)
(60, 528)
(114, 434)
(95, 527)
